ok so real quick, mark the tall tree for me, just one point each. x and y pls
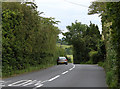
(83, 38)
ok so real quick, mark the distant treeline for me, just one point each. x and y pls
(28, 39)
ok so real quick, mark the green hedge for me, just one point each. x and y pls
(28, 39)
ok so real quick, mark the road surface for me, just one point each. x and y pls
(71, 75)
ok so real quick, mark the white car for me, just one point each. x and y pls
(62, 60)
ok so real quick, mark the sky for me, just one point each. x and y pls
(67, 12)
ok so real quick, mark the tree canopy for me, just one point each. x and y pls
(84, 40)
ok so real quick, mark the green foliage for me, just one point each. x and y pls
(65, 50)
(70, 57)
(60, 51)
(78, 50)
(101, 51)
(94, 56)
(75, 30)
(110, 12)
(84, 39)
(101, 64)
(111, 78)
(88, 62)
(28, 39)
(69, 51)
(62, 41)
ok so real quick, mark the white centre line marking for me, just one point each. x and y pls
(65, 72)
(54, 78)
(44, 81)
(73, 66)
(71, 69)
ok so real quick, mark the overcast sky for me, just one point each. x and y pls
(67, 11)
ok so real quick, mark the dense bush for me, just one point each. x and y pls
(110, 12)
(28, 39)
(94, 56)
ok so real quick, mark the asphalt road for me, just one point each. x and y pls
(71, 75)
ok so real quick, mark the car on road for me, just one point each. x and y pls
(62, 60)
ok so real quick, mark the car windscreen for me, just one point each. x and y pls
(62, 58)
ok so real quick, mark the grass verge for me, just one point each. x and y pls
(27, 70)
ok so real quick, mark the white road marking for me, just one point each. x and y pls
(2, 81)
(39, 82)
(73, 66)
(65, 72)
(71, 69)
(18, 83)
(40, 85)
(44, 81)
(54, 78)
(2, 84)
(32, 82)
